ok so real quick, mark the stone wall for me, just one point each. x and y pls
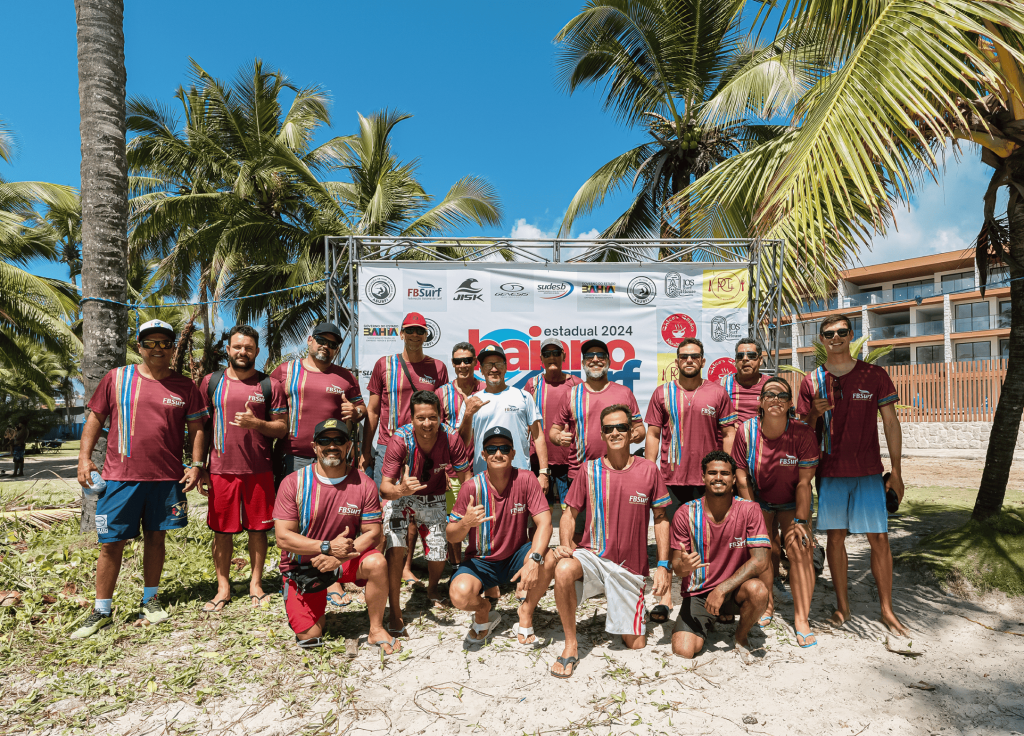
(947, 436)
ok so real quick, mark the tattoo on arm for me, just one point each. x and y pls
(759, 557)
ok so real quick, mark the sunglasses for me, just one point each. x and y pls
(503, 449)
(321, 340)
(414, 331)
(463, 361)
(162, 344)
(837, 388)
(331, 441)
(553, 354)
(750, 354)
(609, 428)
(595, 356)
(492, 366)
(686, 357)
(772, 396)
(829, 334)
(428, 466)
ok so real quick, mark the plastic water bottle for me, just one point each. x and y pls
(98, 485)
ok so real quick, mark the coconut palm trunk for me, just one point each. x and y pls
(101, 92)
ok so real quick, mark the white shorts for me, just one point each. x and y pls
(430, 516)
(624, 591)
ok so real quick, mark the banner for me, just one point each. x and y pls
(642, 311)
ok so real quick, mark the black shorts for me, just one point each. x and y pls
(694, 617)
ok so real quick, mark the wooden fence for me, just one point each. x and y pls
(943, 392)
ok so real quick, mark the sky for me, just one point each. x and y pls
(479, 78)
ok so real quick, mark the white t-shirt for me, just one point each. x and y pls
(513, 409)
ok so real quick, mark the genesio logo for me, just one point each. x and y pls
(512, 290)
(468, 292)
(555, 290)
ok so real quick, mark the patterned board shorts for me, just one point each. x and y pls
(428, 513)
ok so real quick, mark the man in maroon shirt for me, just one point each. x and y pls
(719, 548)
(492, 512)
(149, 408)
(550, 390)
(241, 494)
(327, 523)
(414, 483)
(617, 494)
(744, 386)
(841, 401)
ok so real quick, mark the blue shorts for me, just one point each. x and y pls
(771, 508)
(854, 504)
(494, 572)
(158, 505)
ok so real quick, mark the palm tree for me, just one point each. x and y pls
(907, 78)
(101, 93)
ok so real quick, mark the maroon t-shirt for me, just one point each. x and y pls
(581, 416)
(501, 538)
(774, 465)
(388, 381)
(617, 507)
(724, 546)
(745, 401)
(234, 450)
(551, 399)
(691, 426)
(323, 509)
(848, 435)
(313, 397)
(451, 401)
(147, 423)
(449, 451)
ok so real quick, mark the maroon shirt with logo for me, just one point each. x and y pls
(449, 452)
(147, 423)
(862, 392)
(776, 463)
(617, 507)
(313, 397)
(691, 426)
(353, 502)
(745, 401)
(581, 416)
(388, 381)
(725, 546)
(501, 538)
(551, 399)
(235, 450)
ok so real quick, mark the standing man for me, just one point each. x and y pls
(719, 548)
(550, 390)
(617, 494)
(327, 524)
(492, 512)
(744, 386)
(248, 410)
(841, 401)
(501, 405)
(686, 419)
(17, 437)
(149, 408)
(414, 483)
(453, 394)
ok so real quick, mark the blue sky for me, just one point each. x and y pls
(479, 77)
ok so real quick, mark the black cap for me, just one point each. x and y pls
(331, 424)
(327, 328)
(589, 345)
(497, 431)
(489, 351)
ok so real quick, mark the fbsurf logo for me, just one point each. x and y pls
(423, 290)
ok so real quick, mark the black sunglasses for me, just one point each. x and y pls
(414, 331)
(751, 354)
(782, 395)
(331, 441)
(689, 356)
(463, 361)
(428, 466)
(162, 344)
(829, 334)
(503, 449)
(552, 353)
(321, 340)
(609, 428)
(837, 388)
(592, 356)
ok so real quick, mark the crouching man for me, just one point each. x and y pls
(327, 519)
(492, 510)
(720, 546)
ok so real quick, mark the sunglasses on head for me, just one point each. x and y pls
(690, 356)
(503, 449)
(463, 361)
(772, 396)
(595, 356)
(751, 354)
(414, 331)
(162, 344)
(321, 340)
(331, 441)
(552, 353)
(829, 334)
(609, 428)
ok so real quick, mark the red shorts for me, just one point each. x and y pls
(240, 502)
(304, 610)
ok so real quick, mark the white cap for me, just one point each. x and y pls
(155, 325)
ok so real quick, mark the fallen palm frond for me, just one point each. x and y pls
(42, 518)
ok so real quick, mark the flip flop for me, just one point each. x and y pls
(343, 599)
(565, 662)
(380, 645)
(257, 600)
(660, 613)
(493, 619)
(805, 645)
(398, 632)
(222, 602)
(761, 621)
(526, 632)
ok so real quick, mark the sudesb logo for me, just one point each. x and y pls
(557, 290)
(522, 352)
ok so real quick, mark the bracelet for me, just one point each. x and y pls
(800, 521)
(664, 563)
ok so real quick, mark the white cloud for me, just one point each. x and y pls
(524, 230)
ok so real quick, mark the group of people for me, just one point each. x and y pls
(475, 469)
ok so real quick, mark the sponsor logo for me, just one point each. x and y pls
(256, 398)
(677, 285)
(554, 290)
(427, 379)
(180, 510)
(788, 460)
(331, 424)
(642, 290)
(722, 329)
(349, 510)
(862, 395)
(381, 331)
(468, 291)
(511, 408)
(101, 523)
(721, 367)
(433, 334)
(424, 292)
(709, 411)
(725, 288)
(332, 389)
(511, 290)
(737, 542)
(518, 508)
(174, 401)
(598, 288)
(640, 499)
(677, 328)
(380, 290)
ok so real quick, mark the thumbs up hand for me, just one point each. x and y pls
(475, 515)
(411, 484)
(245, 419)
(348, 409)
(342, 547)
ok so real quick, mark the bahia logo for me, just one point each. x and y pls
(424, 291)
(468, 292)
(598, 288)
(558, 290)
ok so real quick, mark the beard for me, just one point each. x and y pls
(320, 353)
(596, 374)
(241, 363)
(330, 462)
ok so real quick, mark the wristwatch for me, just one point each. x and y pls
(544, 471)
(198, 464)
(536, 557)
(325, 547)
(799, 521)
(665, 564)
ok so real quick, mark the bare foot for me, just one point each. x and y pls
(744, 653)
(893, 624)
(838, 618)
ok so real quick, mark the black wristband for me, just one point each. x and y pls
(800, 521)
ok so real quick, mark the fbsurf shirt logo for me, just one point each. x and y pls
(348, 510)
(862, 395)
(788, 460)
(737, 542)
(175, 401)
(709, 411)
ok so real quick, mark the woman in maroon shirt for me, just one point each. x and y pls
(776, 456)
